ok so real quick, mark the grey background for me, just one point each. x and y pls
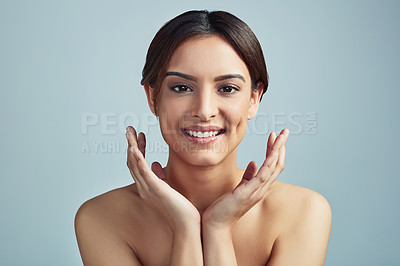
(64, 61)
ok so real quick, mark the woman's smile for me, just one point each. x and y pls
(203, 135)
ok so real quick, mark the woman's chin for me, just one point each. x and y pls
(200, 154)
(203, 158)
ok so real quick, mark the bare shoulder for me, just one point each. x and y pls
(305, 217)
(110, 201)
(101, 227)
(110, 206)
(297, 199)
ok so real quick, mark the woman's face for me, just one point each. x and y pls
(205, 101)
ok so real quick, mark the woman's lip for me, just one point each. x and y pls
(203, 129)
(206, 140)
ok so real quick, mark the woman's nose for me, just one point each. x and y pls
(205, 105)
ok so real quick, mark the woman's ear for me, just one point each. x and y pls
(255, 100)
(150, 98)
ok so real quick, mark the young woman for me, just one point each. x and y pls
(204, 77)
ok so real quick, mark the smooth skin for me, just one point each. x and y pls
(201, 209)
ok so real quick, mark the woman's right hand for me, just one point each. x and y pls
(178, 211)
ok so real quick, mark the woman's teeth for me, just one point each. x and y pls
(200, 134)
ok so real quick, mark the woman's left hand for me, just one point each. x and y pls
(229, 208)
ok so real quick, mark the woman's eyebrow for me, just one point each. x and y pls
(179, 74)
(219, 78)
(230, 76)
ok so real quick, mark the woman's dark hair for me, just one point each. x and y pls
(202, 23)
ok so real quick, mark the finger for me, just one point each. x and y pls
(142, 143)
(132, 166)
(142, 169)
(130, 139)
(131, 136)
(277, 165)
(261, 180)
(285, 132)
(270, 142)
(278, 141)
(267, 169)
(131, 159)
(280, 164)
(132, 142)
(158, 170)
(250, 171)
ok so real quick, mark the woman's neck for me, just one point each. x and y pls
(202, 185)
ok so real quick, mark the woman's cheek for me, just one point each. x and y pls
(236, 119)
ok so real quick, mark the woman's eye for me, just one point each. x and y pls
(181, 88)
(228, 89)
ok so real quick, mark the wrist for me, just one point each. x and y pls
(212, 223)
(186, 229)
(186, 246)
(218, 247)
(222, 230)
(185, 225)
